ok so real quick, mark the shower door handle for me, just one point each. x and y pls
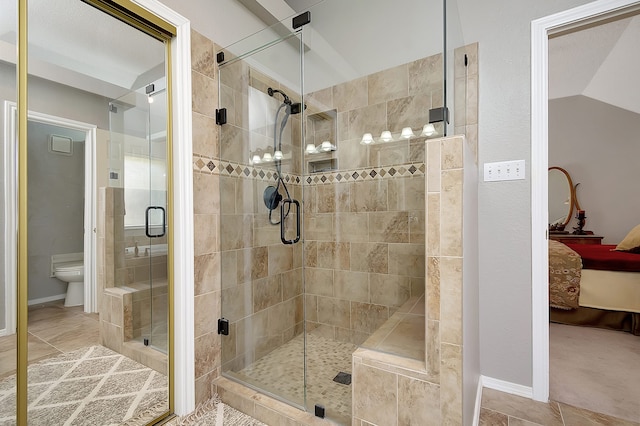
(282, 218)
(146, 222)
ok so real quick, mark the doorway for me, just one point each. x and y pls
(85, 199)
(541, 31)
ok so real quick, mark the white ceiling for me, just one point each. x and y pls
(600, 62)
(75, 44)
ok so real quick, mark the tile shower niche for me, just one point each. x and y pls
(321, 142)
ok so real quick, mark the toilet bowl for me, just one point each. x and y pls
(72, 273)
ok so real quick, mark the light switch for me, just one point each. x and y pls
(504, 170)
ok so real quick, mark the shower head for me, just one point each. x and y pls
(272, 91)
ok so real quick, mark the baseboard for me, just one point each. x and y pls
(476, 409)
(46, 299)
(4, 332)
(507, 387)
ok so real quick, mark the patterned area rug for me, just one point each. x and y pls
(215, 413)
(90, 386)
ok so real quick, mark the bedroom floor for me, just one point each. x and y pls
(595, 369)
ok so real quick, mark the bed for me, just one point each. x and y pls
(593, 285)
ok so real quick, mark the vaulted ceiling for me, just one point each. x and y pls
(600, 62)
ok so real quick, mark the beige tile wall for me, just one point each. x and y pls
(365, 238)
(431, 393)
(392, 390)
(206, 205)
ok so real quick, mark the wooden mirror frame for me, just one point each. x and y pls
(572, 194)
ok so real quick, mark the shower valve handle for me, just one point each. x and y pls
(289, 201)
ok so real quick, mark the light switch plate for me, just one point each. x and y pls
(504, 170)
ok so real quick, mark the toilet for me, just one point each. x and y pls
(70, 268)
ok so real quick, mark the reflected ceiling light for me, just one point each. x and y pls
(256, 159)
(311, 149)
(367, 139)
(428, 130)
(267, 157)
(150, 99)
(386, 136)
(277, 155)
(407, 133)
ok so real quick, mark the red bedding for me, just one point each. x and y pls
(595, 256)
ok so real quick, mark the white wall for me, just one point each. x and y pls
(56, 206)
(502, 29)
(599, 145)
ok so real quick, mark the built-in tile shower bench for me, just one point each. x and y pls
(124, 288)
(391, 389)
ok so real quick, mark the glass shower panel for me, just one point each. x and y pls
(462, 79)
(137, 168)
(260, 220)
(157, 216)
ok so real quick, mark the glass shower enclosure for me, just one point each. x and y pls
(322, 196)
(138, 181)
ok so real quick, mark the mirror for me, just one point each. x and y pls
(561, 198)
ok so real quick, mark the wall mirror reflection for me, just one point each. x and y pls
(98, 218)
(561, 198)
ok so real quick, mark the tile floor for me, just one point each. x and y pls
(53, 329)
(502, 409)
(281, 372)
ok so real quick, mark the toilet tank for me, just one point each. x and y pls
(64, 258)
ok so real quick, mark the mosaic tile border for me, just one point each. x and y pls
(227, 168)
(368, 173)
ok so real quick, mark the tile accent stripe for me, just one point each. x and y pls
(226, 168)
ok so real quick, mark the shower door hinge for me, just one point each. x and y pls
(221, 116)
(301, 20)
(220, 57)
(223, 326)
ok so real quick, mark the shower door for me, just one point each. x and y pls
(137, 177)
(261, 202)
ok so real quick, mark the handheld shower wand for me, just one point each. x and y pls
(271, 196)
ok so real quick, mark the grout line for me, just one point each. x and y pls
(521, 420)
(559, 411)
